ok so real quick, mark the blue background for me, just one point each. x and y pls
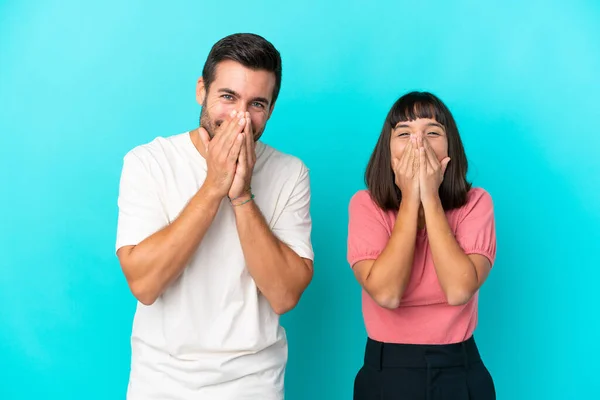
(81, 84)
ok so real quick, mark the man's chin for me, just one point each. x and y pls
(211, 133)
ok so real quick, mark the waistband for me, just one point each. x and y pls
(381, 355)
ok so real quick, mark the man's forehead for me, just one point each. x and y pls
(234, 76)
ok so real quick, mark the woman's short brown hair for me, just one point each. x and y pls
(379, 176)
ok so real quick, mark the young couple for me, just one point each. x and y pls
(214, 239)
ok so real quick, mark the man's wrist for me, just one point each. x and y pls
(210, 193)
(242, 199)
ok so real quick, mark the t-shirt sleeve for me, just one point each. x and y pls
(476, 230)
(368, 232)
(294, 225)
(140, 210)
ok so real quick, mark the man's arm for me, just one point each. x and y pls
(159, 259)
(279, 273)
(152, 264)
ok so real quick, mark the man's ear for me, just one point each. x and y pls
(200, 91)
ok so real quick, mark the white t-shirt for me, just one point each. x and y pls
(211, 334)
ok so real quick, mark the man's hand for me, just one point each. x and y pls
(222, 152)
(240, 188)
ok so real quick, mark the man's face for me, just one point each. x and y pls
(238, 88)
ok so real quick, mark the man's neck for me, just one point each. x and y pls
(197, 141)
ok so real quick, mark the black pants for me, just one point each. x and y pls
(423, 372)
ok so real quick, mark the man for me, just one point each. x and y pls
(214, 239)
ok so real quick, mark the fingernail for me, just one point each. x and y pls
(242, 121)
(232, 113)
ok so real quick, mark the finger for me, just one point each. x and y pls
(431, 157)
(410, 147)
(222, 134)
(426, 163)
(444, 163)
(423, 164)
(242, 165)
(235, 127)
(243, 159)
(234, 152)
(249, 139)
(253, 141)
(236, 124)
(221, 130)
(406, 158)
(204, 137)
(416, 163)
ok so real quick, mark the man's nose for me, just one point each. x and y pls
(238, 107)
(241, 107)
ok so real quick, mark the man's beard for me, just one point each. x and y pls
(207, 123)
(211, 126)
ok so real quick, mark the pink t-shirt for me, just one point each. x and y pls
(424, 316)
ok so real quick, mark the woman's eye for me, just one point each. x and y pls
(433, 134)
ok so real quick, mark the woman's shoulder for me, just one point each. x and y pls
(479, 201)
(478, 195)
(361, 197)
(362, 202)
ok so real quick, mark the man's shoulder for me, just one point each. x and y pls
(278, 161)
(157, 149)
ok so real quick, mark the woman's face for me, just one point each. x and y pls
(427, 129)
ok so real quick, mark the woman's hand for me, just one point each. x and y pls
(406, 171)
(431, 171)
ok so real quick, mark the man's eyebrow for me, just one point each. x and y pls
(234, 93)
(228, 91)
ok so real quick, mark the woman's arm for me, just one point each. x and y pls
(386, 277)
(460, 275)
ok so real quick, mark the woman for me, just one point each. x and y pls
(421, 242)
